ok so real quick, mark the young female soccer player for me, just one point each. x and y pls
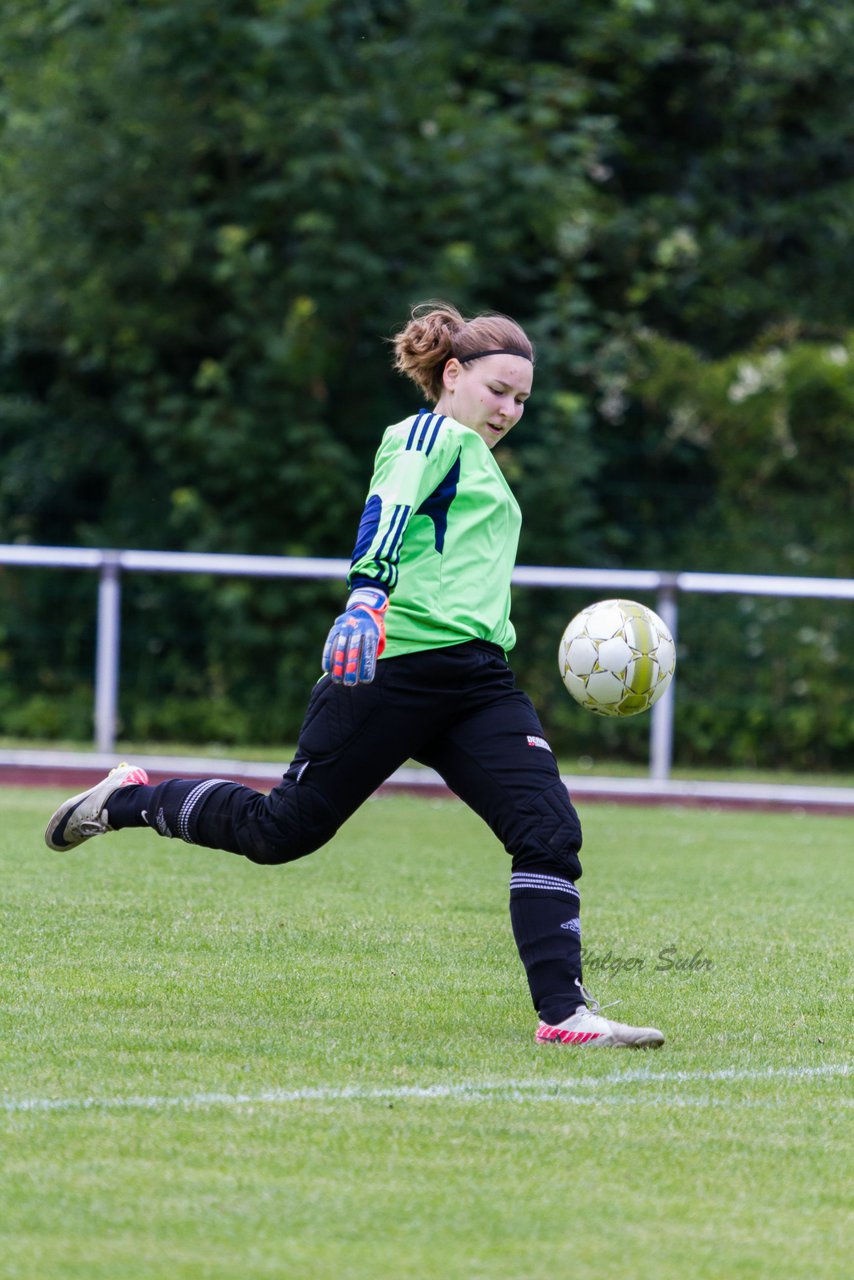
(416, 668)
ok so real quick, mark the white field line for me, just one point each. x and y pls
(584, 1092)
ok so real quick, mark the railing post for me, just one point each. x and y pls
(107, 652)
(661, 728)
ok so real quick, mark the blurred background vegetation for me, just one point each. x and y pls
(214, 214)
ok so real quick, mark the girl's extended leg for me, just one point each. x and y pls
(350, 741)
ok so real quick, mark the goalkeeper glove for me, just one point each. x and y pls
(357, 638)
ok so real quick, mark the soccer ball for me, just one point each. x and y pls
(617, 658)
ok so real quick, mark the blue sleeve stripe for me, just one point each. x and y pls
(424, 430)
(426, 427)
(421, 414)
(393, 554)
(440, 419)
(380, 552)
(388, 552)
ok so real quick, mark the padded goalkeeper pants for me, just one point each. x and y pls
(455, 709)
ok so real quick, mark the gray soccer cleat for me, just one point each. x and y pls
(85, 815)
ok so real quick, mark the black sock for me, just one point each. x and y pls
(126, 806)
(168, 808)
(544, 912)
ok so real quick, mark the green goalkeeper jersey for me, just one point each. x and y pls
(440, 532)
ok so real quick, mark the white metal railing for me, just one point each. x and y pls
(110, 564)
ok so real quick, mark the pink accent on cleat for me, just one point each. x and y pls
(137, 777)
(587, 1027)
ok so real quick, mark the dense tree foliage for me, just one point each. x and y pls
(212, 215)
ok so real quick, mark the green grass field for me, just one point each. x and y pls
(209, 1069)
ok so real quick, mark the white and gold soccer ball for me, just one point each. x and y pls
(617, 658)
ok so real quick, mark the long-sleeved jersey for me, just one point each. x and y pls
(439, 532)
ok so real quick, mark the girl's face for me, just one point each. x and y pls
(487, 395)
